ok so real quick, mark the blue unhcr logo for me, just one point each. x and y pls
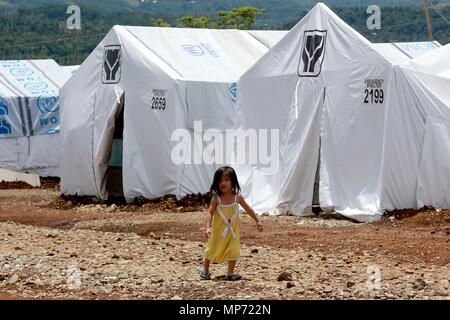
(21, 72)
(3, 109)
(52, 131)
(36, 86)
(5, 127)
(233, 92)
(49, 104)
(200, 50)
(194, 50)
(209, 49)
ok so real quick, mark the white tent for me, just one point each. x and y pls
(268, 37)
(162, 79)
(71, 69)
(400, 52)
(431, 75)
(29, 115)
(435, 62)
(375, 123)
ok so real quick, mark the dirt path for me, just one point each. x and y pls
(142, 252)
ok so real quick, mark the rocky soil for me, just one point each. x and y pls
(54, 248)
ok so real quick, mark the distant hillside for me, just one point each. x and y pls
(196, 6)
(31, 31)
(102, 5)
(278, 12)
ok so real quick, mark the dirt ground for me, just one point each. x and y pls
(53, 247)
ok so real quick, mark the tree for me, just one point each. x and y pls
(41, 32)
(244, 17)
(237, 18)
(159, 23)
(193, 22)
(223, 19)
(186, 22)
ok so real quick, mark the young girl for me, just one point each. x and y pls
(222, 223)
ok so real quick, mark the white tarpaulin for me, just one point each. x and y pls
(435, 62)
(29, 115)
(268, 37)
(28, 98)
(71, 69)
(168, 79)
(416, 49)
(31, 179)
(357, 109)
(401, 52)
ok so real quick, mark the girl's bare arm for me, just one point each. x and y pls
(209, 216)
(250, 211)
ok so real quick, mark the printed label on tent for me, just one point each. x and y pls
(3, 108)
(313, 52)
(49, 117)
(374, 92)
(200, 49)
(111, 64)
(5, 126)
(32, 107)
(233, 92)
(21, 72)
(27, 79)
(9, 120)
(48, 104)
(415, 49)
(159, 99)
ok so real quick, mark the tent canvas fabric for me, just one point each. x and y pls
(268, 37)
(367, 120)
(29, 115)
(168, 78)
(431, 75)
(435, 62)
(402, 52)
(71, 69)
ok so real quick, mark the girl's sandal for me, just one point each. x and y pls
(233, 277)
(204, 275)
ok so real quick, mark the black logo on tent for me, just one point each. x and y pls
(111, 64)
(313, 52)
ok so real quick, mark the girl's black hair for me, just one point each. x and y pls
(229, 171)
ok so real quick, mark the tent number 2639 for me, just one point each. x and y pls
(158, 103)
(374, 96)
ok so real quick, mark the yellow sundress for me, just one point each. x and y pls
(224, 242)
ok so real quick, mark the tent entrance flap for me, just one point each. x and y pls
(302, 177)
(114, 182)
(108, 105)
(316, 198)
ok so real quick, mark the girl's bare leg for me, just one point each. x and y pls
(206, 267)
(231, 265)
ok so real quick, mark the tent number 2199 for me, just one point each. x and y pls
(374, 96)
